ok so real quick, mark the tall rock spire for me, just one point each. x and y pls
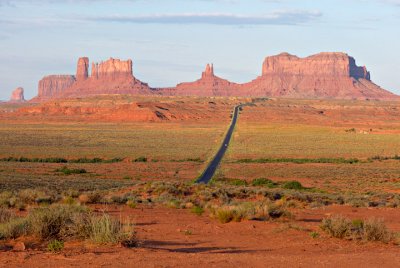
(209, 71)
(82, 72)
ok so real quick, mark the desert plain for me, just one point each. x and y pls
(295, 170)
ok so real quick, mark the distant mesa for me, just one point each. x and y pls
(328, 75)
(17, 95)
(325, 75)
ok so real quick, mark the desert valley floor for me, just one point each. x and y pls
(136, 158)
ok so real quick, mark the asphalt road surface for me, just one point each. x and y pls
(212, 167)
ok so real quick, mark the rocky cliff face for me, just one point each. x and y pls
(53, 86)
(82, 70)
(325, 75)
(17, 95)
(324, 64)
(113, 76)
(110, 77)
(112, 69)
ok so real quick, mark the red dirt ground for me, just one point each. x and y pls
(164, 243)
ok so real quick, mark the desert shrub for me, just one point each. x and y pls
(229, 181)
(69, 200)
(198, 160)
(67, 171)
(174, 203)
(5, 215)
(293, 185)
(263, 182)
(224, 215)
(197, 210)
(30, 196)
(301, 160)
(369, 230)
(91, 197)
(337, 226)
(249, 210)
(141, 159)
(59, 222)
(105, 229)
(117, 199)
(243, 211)
(127, 178)
(55, 245)
(356, 201)
(13, 228)
(130, 241)
(376, 230)
(53, 222)
(5, 197)
(131, 203)
(278, 211)
(314, 234)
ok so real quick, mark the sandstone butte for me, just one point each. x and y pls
(17, 95)
(321, 76)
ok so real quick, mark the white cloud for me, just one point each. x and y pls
(285, 17)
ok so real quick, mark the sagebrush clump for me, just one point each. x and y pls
(367, 230)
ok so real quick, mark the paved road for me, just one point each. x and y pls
(212, 167)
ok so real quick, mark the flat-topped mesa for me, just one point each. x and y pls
(17, 95)
(112, 69)
(328, 64)
(82, 70)
(329, 75)
(52, 86)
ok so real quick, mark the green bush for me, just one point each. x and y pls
(314, 235)
(197, 210)
(68, 171)
(293, 185)
(263, 182)
(141, 159)
(234, 182)
(55, 245)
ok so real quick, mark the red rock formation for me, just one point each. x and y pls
(82, 69)
(112, 69)
(323, 64)
(53, 86)
(17, 95)
(325, 75)
(110, 77)
(208, 85)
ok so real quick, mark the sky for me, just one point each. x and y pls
(171, 41)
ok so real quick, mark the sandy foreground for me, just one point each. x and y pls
(178, 238)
